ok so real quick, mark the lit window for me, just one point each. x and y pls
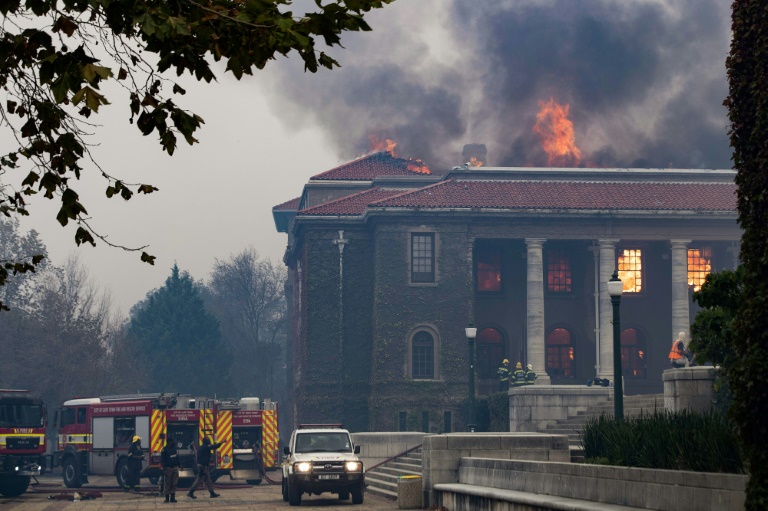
(558, 271)
(632, 354)
(423, 356)
(699, 266)
(559, 353)
(488, 268)
(630, 267)
(423, 257)
(490, 352)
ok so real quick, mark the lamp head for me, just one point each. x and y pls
(470, 331)
(615, 286)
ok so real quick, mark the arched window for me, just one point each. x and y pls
(632, 354)
(423, 356)
(559, 353)
(490, 352)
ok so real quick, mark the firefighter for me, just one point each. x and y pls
(530, 375)
(259, 459)
(203, 468)
(169, 459)
(134, 465)
(518, 377)
(503, 374)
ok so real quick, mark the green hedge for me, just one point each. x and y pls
(664, 440)
(491, 412)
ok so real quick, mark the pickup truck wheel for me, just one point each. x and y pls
(71, 473)
(13, 486)
(357, 494)
(294, 494)
(344, 495)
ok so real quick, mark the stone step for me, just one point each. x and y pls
(375, 488)
(408, 461)
(395, 472)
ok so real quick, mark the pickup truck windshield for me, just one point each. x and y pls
(323, 442)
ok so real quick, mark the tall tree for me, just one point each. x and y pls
(248, 298)
(747, 104)
(178, 341)
(20, 253)
(56, 54)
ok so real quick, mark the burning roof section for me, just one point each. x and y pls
(369, 168)
(569, 195)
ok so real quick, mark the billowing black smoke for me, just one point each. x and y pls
(645, 81)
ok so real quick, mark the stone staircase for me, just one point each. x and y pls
(382, 480)
(633, 407)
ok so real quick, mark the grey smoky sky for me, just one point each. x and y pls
(645, 80)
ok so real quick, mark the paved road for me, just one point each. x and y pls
(234, 496)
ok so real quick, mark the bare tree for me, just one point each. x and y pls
(247, 295)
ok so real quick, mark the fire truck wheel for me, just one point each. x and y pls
(71, 473)
(294, 494)
(121, 473)
(154, 479)
(13, 486)
(357, 494)
(253, 481)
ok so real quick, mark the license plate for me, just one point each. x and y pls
(329, 476)
(23, 443)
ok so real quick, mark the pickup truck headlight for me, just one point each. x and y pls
(353, 466)
(302, 467)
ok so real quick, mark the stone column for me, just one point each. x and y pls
(607, 267)
(535, 310)
(681, 319)
(735, 252)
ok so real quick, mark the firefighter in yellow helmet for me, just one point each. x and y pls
(134, 465)
(518, 377)
(503, 373)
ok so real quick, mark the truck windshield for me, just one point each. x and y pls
(323, 442)
(21, 415)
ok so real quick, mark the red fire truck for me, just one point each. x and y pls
(22, 440)
(95, 434)
(248, 427)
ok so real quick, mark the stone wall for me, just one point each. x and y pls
(533, 407)
(689, 388)
(378, 447)
(488, 482)
(441, 454)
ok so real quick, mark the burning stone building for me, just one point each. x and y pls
(387, 265)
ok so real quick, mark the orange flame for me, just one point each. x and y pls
(474, 162)
(388, 145)
(556, 132)
(377, 145)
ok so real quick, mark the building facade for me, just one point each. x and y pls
(387, 267)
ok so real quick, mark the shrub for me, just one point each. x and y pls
(665, 440)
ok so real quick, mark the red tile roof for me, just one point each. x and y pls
(368, 168)
(353, 205)
(290, 205)
(569, 195)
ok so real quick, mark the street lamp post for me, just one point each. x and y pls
(471, 332)
(615, 288)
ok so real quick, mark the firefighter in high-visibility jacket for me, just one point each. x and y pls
(518, 377)
(134, 465)
(503, 374)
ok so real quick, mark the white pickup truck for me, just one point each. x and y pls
(320, 458)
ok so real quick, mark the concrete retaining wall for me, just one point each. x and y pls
(666, 490)
(377, 447)
(441, 454)
(533, 407)
(689, 388)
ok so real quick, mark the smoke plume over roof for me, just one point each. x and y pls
(645, 81)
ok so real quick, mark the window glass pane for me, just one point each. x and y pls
(558, 271)
(560, 353)
(422, 257)
(488, 269)
(699, 266)
(490, 352)
(423, 356)
(630, 266)
(632, 354)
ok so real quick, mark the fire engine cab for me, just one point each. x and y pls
(22, 440)
(95, 435)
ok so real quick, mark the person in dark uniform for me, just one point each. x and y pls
(530, 375)
(134, 465)
(518, 377)
(203, 468)
(169, 459)
(503, 374)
